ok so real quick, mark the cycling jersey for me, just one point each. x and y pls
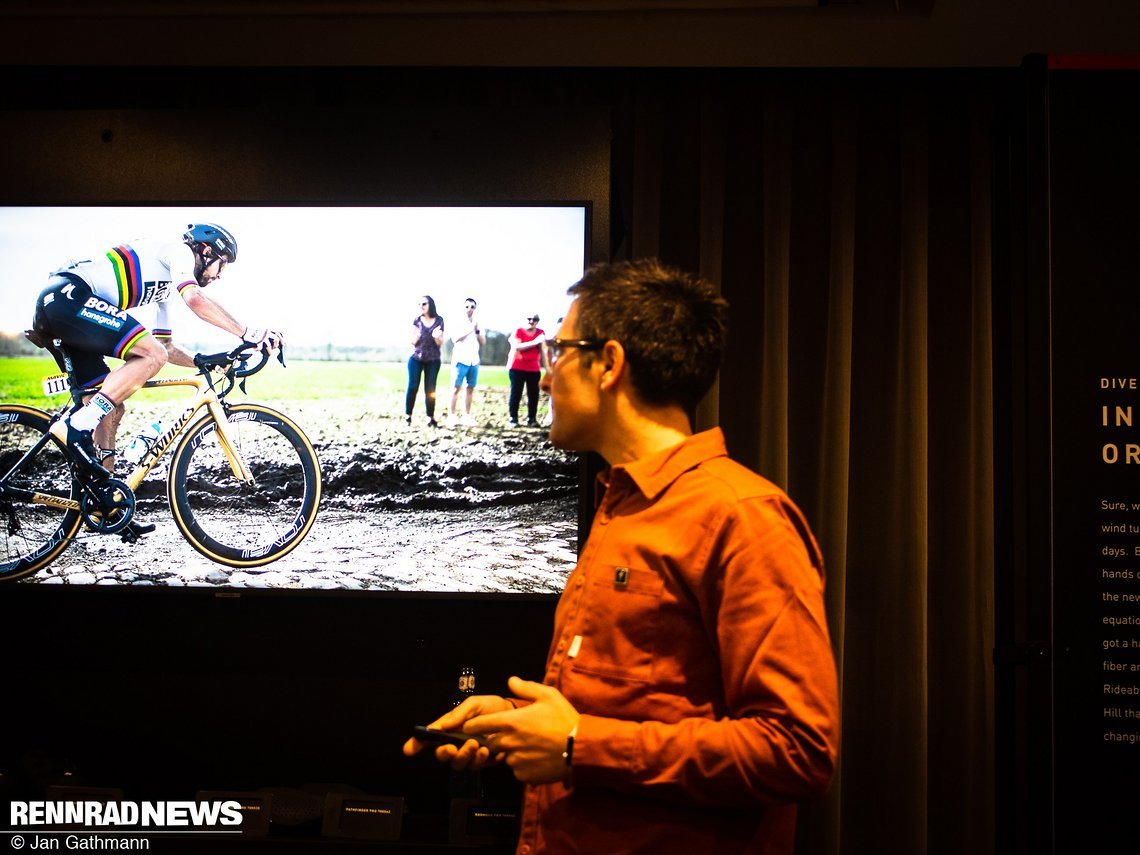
(85, 304)
(138, 273)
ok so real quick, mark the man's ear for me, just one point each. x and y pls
(613, 362)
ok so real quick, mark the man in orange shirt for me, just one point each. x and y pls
(690, 696)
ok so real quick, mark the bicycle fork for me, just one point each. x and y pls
(233, 456)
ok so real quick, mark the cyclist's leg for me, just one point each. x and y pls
(90, 329)
(141, 362)
(104, 435)
(61, 313)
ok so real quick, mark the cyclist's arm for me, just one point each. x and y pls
(211, 311)
(162, 334)
(176, 355)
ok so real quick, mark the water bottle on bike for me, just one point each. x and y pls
(142, 443)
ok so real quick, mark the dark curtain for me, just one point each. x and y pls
(846, 217)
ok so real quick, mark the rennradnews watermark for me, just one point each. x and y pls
(98, 826)
(77, 842)
(94, 814)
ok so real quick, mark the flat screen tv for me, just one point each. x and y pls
(469, 506)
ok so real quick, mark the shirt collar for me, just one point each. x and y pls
(652, 474)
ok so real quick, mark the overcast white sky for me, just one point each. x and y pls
(349, 276)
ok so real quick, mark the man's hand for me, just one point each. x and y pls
(471, 755)
(271, 339)
(533, 737)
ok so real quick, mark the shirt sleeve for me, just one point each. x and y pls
(162, 328)
(179, 259)
(761, 599)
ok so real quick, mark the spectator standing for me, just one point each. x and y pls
(525, 363)
(427, 336)
(465, 360)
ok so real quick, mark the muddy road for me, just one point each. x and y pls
(488, 508)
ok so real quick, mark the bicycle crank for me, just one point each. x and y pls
(107, 507)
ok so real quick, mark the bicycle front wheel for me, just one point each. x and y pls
(245, 523)
(32, 535)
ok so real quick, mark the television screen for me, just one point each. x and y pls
(471, 503)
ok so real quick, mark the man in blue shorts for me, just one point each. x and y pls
(85, 305)
(465, 359)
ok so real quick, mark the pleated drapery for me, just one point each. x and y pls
(846, 217)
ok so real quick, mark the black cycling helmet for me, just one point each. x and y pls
(213, 235)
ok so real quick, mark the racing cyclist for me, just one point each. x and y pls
(85, 305)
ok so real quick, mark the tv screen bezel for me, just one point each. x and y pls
(314, 136)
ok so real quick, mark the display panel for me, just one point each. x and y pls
(473, 505)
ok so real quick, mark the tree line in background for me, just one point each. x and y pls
(494, 352)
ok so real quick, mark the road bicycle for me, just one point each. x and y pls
(244, 483)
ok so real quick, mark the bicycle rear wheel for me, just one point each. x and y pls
(32, 535)
(245, 524)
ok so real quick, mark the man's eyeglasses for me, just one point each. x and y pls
(556, 347)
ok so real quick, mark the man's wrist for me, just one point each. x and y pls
(568, 758)
(568, 754)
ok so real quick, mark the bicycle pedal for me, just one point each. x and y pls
(135, 530)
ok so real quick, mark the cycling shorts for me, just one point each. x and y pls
(89, 327)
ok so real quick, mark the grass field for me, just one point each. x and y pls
(21, 381)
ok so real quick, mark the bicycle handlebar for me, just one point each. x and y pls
(260, 358)
(241, 362)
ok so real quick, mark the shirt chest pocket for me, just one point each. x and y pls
(622, 616)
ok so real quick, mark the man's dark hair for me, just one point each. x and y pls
(670, 323)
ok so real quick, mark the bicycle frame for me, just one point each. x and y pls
(33, 497)
(284, 496)
(205, 397)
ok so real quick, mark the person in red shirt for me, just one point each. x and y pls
(690, 698)
(525, 363)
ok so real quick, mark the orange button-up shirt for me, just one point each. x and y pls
(692, 639)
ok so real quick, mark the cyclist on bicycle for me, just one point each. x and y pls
(85, 306)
